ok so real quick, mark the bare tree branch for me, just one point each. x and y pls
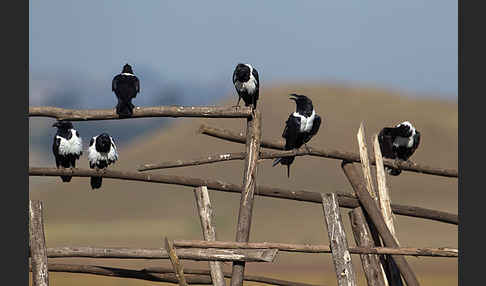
(346, 200)
(37, 243)
(176, 264)
(371, 264)
(371, 208)
(327, 153)
(206, 216)
(140, 112)
(197, 254)
(161, 274)
(253, 137)
(337, 239)
(318, 248)
(194, 162)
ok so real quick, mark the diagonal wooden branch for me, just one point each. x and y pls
(337, 239)
(140, 112)
(160, 274)
(317, 248)
(370, 262)
(206, 216)
(365, 162)
(383, 193)
(194, 162)
(37, 243)
(229, 135)
(384, 201)
(214, 158)
(365, 167)
(253, 137)
(176, 264)
(197, 254)
(346, 200)
(372, 210)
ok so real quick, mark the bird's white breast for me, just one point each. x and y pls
(250, 85)
(72, 146)
(305, 122)
(403, 141)
(95, 157)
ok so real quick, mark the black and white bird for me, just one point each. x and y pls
(101, 153)
(247, 84)
(300, 127)
(67, 146)
(398, 142)
(126, 86)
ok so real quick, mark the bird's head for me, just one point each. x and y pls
(63, 124)
(304, 104)
(103, 142)
(242, 72)
(127, 69)
(407, 127)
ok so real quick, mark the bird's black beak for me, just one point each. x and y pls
(293, 97)
(56, 124)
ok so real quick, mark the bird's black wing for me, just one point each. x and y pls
(386, 138)
(234, 76)
(315, 125)
(416, 140)
(114, 82)
(91, 142)
(137, 85)
(291, 132)
(55, 149)
(254, 72)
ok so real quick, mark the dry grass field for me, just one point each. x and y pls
(136, 214)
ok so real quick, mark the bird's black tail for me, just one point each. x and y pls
(393, 171)
(124, 109)
(66, 178)
(284, 161)
(96, 182)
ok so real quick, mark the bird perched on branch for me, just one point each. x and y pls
(101, 153)
(398, 142)
(300, 127)
(67, 146)
(126, 86)
(247, 84)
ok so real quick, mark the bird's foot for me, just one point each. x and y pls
(307, 148)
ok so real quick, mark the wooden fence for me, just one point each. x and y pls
(382, 258)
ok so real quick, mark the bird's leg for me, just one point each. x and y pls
(307, 148)
(238, 103)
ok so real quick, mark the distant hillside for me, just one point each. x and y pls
(140, 214)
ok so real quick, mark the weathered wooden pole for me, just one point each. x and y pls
(253, 138)
(176, 264)
(384, 200)
(337, 240)
(362, 235)
(376, 217)
(38, 250)
(206, 217)
(365, 166)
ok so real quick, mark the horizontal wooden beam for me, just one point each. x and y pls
(160, 274)
(197, 254)
(140, 112)
(318, 248)
(345, 200)
(229, 135)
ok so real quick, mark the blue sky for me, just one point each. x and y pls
(409, 45)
